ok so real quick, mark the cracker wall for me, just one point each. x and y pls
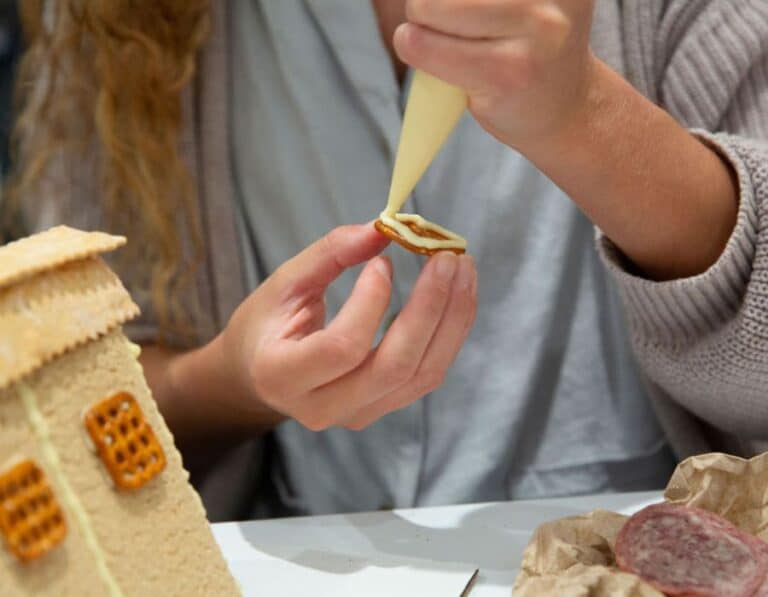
(156, 539)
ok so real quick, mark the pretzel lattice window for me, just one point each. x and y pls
(31, 520)
(124, 441)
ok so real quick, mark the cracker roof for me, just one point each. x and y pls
(52, 248)
(55, 294)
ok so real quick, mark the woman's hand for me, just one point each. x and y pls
(666, 199)
(525, 64)
(278, 352)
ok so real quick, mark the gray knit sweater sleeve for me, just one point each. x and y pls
(704, 339)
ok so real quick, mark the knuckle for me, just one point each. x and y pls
(282, 278)
(332, 239)
(518, 67)
(266, 387)
(484, 105)
(418, 10)
(434, 303)
(465, 303)
(395, 372)
(551, 21)
(428, 380)
(332, 242)
(378, 293)
(440, 290)
(315, 420)
(344, 349)
(357, 425)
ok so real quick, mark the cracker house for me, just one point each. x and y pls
(93, 496)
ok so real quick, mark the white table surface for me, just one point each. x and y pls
(431, 551)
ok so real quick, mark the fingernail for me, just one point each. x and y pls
(445, 266)
(381, 265)
(466, 275)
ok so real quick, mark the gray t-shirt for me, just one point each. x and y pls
(545, 398)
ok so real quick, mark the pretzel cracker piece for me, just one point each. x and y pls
(419, 235)
(31, 520)
(124, 441)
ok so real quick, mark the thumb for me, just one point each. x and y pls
(324, 260)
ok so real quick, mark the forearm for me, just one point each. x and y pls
(198, 397)
(700, 339)
(659, 193)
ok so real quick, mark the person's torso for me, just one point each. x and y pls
(545, 398)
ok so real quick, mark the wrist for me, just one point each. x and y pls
(590, 105)
(662, 196)
(207, 397)
(234, 385)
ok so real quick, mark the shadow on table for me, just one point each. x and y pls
(491, 538)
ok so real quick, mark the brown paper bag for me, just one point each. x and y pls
(573, 557)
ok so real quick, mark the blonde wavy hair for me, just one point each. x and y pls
(103, 79)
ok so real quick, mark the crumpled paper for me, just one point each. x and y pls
(573, 557)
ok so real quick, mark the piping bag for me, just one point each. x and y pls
(432, 112)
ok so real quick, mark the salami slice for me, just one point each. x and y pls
(681, 550)
(762, 591)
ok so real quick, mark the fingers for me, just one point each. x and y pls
(492, 59)
(352, 384)
(401, 350)
(363, 312)
(397, 358)
(468, 64)
(443, 348)
(484, 18)
(328, 354)
(322, 262)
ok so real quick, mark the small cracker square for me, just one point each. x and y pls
(31, 520)
(124, 441)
